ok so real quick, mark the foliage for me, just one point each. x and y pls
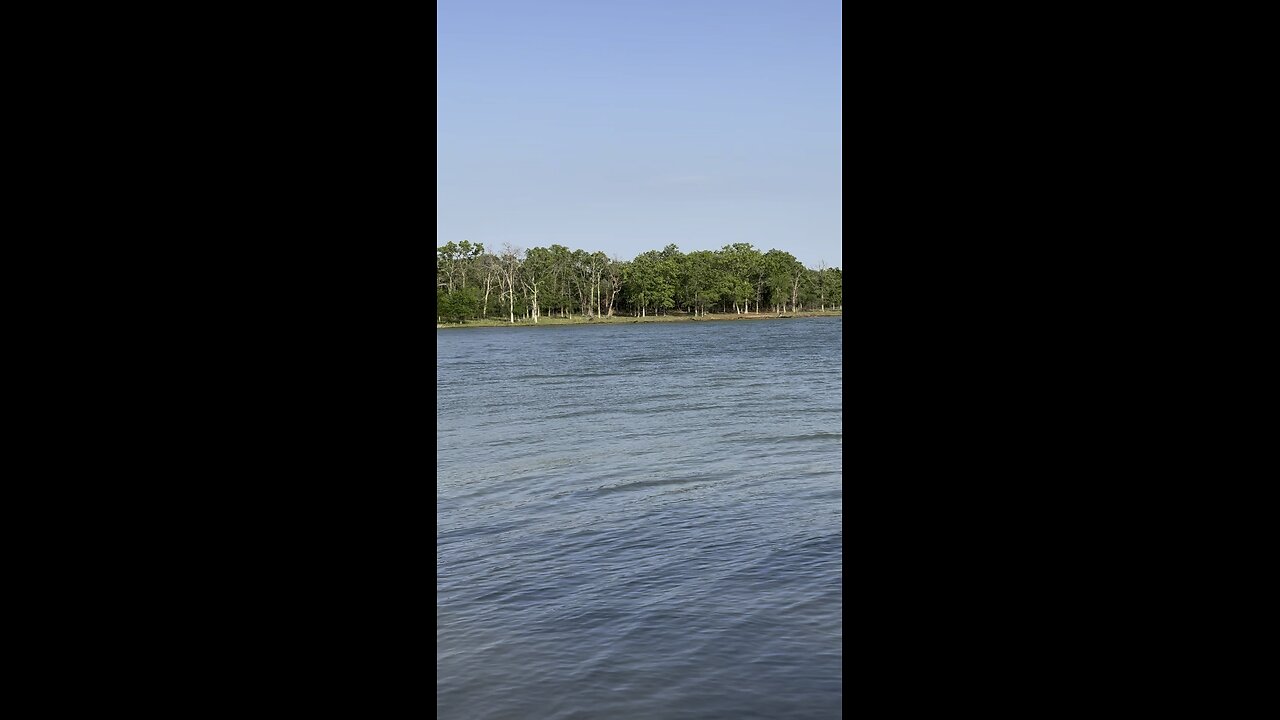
(555, 282)
(458, 305)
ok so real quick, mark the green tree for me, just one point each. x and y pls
(702, 279)
(653, 279)
(545, 280)
(560, 280)
(446, 265)
(454, 261)
(780, 267)
(458, 305)
(745, 264)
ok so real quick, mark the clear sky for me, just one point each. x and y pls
(627, 125)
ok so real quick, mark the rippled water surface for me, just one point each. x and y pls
(639, 521)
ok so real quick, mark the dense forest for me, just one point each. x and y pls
(515, 285)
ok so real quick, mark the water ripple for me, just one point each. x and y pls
(655, 533)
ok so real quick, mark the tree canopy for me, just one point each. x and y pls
(473, 283)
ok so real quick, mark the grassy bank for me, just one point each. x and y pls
(627, 319)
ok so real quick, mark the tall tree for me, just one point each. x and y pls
(557, 278)
(539, 264)
(509, 269)
(561, 279)
(614, 271)
(745, 263)
(446, 265)
(783, 271)
(702, 280)
(599, 265)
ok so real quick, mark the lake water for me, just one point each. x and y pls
(640, 521)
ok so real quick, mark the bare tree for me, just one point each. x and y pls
(822, 285)
(615, 281)
(539, 264)
(509, 268)
(795, 285)
(589, 268)
(492, 271)
(598, 263)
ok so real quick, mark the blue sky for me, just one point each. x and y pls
(627, 125)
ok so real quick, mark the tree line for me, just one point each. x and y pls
(473, 283)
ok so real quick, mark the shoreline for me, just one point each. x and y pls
(547, 321)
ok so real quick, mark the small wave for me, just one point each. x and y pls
(644, 484)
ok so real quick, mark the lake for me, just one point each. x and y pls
(640, 520)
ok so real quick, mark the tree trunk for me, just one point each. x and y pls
(612, 297)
